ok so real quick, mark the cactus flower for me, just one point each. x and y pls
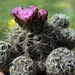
(20, 13)
(26, 15)
(34, 9)
(15, 11)
(42, 14)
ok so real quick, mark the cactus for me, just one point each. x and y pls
(36, 45)
(69, 34)
(67, 38)
(59, 21)
(7, 54)
(23, 66)
(60, 61)
(40, 45)
(16, 37)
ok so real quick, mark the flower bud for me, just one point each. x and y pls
(42, 14)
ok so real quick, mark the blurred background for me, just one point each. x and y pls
(52, 6)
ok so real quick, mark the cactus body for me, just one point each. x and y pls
(40, 45)
(59, 21)
(7, 54)
(16, 37)
(67, 38)
(60, 61)
(22, 66)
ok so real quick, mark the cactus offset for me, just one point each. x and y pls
(59, 21)
(7, 54)
(16, 37)
(22, 66)
(60, 60)
(67, 38)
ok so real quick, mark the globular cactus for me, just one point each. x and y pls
(69, 61)
(60, 61)
(7, 54)
(16, 36)
(67, 38)
(38, 46)
(59, 21)
(37, 24)
(23, 65)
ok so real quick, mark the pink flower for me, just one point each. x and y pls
(15, 11)
(26, 15)
(20, 13)
(42, 14)
(34, 9)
